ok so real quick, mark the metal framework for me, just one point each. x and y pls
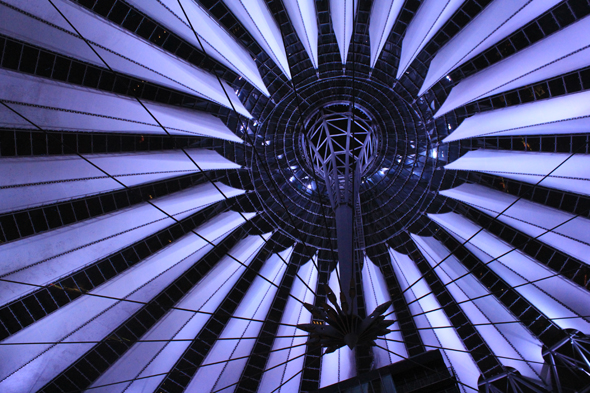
(569, 362)
(340, 142)
(161, 222)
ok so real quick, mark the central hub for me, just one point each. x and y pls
(339, 137)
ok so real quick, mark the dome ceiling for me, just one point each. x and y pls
(163, 221)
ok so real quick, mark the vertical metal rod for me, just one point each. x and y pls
(344, 234)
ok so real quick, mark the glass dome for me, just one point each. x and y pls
(164, 223)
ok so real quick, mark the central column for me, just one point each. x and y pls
(345, 238)
(340, 143)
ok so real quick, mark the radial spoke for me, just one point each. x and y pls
(149, 202)
(495, 259)
(146, 303)
(150, 112)
(249, 140)
(431, 269)
(166, 373)
(143, 341)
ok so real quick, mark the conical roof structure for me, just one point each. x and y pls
(164, 226)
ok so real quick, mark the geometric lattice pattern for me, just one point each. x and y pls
(160, 230)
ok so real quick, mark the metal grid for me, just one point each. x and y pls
(19, 224)
(80, 375)
(21, 313)
(568, 83)
(479, 349)
(180, 376)
(310, 377)
(338, 131)
(17, 142)
(562, 200)
(559, 17)
(135, 21)
(407, 87)
(536, 322)
(411, 336)
(468, 10)
(27, 58)
(255, 366)
(558, 261)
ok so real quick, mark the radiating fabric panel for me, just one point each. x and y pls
(430, 17)
(559, 229)
(514, 345)
(340, 364)
(376, 293)
(384, 14)
(256, 17)
(208, 34)
(569, 114)
(225, 375)
(157, 358)
(559, 299)
(44, 258)
(343, 13)
(284, 367)
(559, 53)
(561, 171)
(53, 105)
(122, 51)
(432, 321)
(37, 180)
(93, 318)
(302, 14)
(495, 22)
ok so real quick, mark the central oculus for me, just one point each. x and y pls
(339, 137)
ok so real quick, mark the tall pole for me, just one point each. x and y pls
(340, 142)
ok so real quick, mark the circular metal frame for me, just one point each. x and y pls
(340, 135)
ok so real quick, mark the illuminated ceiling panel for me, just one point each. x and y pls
(166, 225)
